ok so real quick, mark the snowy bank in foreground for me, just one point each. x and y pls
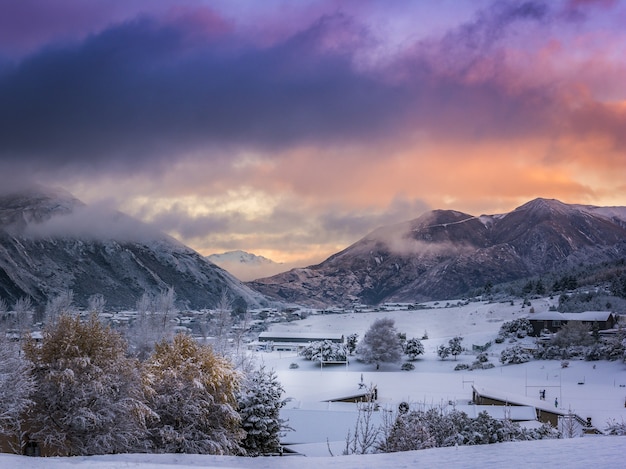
(580, 453)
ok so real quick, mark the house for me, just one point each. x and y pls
(293, 341)
(552, 321)
(543, 412)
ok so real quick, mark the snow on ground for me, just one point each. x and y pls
(597, 452)
(589, 389)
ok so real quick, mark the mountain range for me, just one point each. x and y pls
(245, 265)
(51, 242)
(446, 253)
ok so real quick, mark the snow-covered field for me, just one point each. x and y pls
(589, 389)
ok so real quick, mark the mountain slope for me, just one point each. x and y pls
(50, 242)
(446, 253)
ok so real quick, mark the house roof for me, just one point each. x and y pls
(558, 316)
(286, 336)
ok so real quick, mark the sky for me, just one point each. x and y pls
(292, 129)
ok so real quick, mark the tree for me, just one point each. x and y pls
(96, 303)
(455, 346)
(88, 395)
(60, 304)
(193, 391)
(413, 348)
(380, 343)
(366, 433)
(222, 321)
(514, 355)
(573, 333)
(443, 352)
(260, 402)
(16, 388)
(351, 342)
(325, 351)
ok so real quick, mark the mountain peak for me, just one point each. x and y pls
(36, 204)
(545, 205)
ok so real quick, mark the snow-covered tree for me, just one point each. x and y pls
(62, 303)
(260, 401)
(351, 342)
(380, 343)
(222, 322)
(443, 351)
(514, 355)
(455, 346)
(365, 436)
(193, 391)
(325, 351)
(88, 397)
(96, 303)
(150, 326)
(16, 388)
(413, 348)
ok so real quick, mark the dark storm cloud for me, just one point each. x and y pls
(143, 91)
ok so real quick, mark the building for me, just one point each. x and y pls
(293, 341)
(552, 321)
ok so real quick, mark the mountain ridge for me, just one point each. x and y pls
(51, 242)
(445, 253)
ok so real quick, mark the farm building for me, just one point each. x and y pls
(552, 321)
(293, 340)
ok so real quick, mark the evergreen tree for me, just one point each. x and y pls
(193, 391)
(88, 397)
(443, 352)
(351, 342)
(380, 343)
(455, 346)
(413, 348)
(16, 388)
(259, 407)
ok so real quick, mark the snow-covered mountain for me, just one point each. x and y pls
(51, 242)
(446, 253)
(245, 265)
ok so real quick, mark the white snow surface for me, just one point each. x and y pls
(589, 389)
(597, 452)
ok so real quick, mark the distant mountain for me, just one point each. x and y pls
(445, 253)
(245, 265)
(51, 242)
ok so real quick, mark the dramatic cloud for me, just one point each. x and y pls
(291, 130)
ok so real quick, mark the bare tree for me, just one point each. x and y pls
(222, 321)
(60, 304)
(96, 303)
(22, 318)
(366, 432)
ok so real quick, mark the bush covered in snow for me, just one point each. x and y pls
(413, 348)
(325, 351)
(435, 427)
(518, 328)
(514, 355)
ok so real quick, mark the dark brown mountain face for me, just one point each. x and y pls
(51, 242)
(445, 254)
